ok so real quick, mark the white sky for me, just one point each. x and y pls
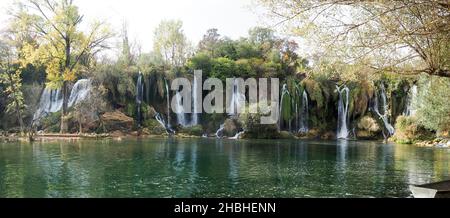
(233, 18)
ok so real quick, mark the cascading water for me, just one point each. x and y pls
(139, 97)
(304, 114)
(195, 119)
(384, 107)
(219, 132)
(237, 98)
(161, 121)
(181, 117)
(238, 135)
(168, 102)
(343, 116)
(80, 91)
(51, 101)
(412, 97)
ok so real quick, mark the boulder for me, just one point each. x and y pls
(368, 128)
(231, 127)
(117, 120)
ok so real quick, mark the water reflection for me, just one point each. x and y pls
(217, 168)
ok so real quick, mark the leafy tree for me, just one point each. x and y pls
(62, 47)
(201, 61)
(246, 49)
(433, 111)
(171, 43)
(10, 78)
(245, 69)
(223, 68)
(403, 36)
(209, 42)
(261, 35)
(227, 49)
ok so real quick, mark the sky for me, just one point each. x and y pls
(233, 18)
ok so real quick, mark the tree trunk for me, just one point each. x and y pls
(19, 117)
(16, 102)
(80, 124)
(64, 127)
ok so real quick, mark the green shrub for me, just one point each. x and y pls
(193, 130)
(409, 131)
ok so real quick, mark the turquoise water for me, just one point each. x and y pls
(217, 168)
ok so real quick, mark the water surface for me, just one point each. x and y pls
(217, 168)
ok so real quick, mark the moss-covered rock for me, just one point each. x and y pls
(117, 120)
(153, 127)
(409, 131)
(254, 129)
(286, 135)
(368, 128)
(192, 130)
(231, 127)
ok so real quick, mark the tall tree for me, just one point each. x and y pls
(171, 43)
(407, 36)
(210, 42)
(10, 77)
(62, 47)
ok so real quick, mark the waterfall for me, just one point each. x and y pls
(181, 117)
(237, 98)
(385, 109)
(238, 135)
(412, 97)
(161, 121)
(139, 97)
(51, 101)
(284, 91)
(304, 114)
(195, 101)
(80, 91)
(343, 116)
(219, 132)
(168, 102)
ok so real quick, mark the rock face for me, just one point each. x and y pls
(231, 127)
(117, 121)
(368, 128)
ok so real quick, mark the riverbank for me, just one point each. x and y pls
(119, 136)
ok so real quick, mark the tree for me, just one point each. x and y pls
(261, 35)
(227, 48)
(209, 42)
(10, 77)
(433, 111)
(171, 43)
(401, 36)
(62, 47)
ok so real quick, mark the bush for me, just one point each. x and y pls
(154, 127)
(433, 110)
(51, 123)
(409, 131)
(193, 130)
(254, 129)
